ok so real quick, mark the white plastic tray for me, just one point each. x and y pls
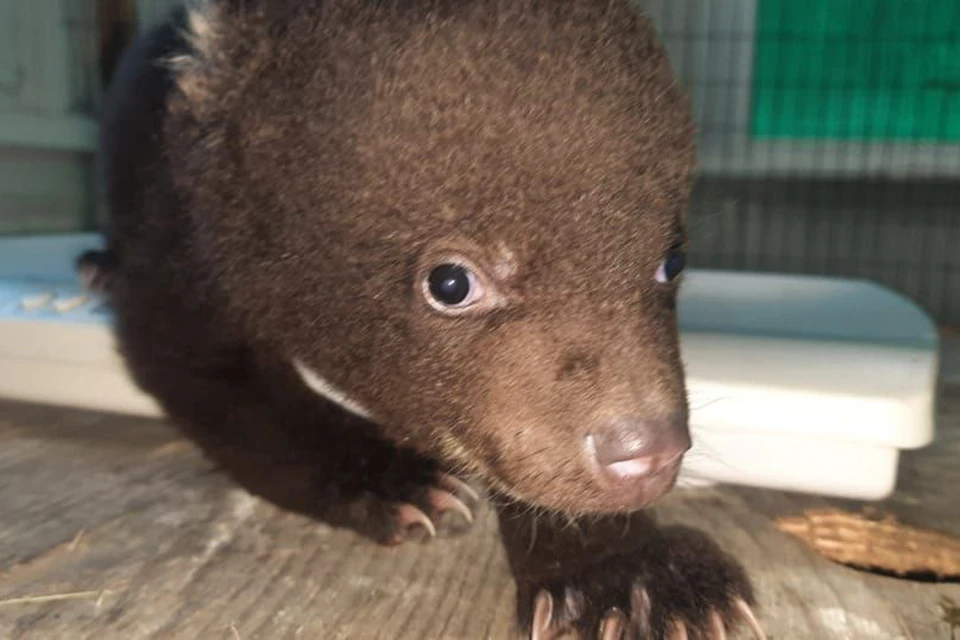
(798, 383)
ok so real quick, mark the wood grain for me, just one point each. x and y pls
(115, 528)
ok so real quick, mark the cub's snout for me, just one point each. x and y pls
(607, 435)
(638, 459)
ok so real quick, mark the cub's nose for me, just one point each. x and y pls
(632, 448)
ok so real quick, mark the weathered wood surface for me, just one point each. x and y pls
(114, 528)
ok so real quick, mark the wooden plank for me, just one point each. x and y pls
(133, 535)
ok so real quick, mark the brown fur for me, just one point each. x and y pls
(473, 131)
(283, 185)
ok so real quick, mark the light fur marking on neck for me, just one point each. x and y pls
(322, 387)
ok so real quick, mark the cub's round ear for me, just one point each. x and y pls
(195, 70)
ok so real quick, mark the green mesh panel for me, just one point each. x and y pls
(857, 69)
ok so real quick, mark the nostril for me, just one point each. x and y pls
(621, 442)
(631, 448)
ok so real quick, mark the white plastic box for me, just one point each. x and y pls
(798, 383)
(802, 383)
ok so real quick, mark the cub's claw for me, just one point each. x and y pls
(716, 628)
(616, 626)
(749, 618)
(455, 485)
(425, 507)
(542, 616)
(407, 517)
(443, 502)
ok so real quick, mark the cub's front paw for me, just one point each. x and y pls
(683, 587)
(391, 516)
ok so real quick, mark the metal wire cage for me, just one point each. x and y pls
(829, 138)
(829, 135)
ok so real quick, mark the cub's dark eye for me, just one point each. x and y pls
(452, 285)
(672, 266)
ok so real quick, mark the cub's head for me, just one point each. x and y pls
(462, 219)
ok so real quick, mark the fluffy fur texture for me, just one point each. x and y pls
(284, 174)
